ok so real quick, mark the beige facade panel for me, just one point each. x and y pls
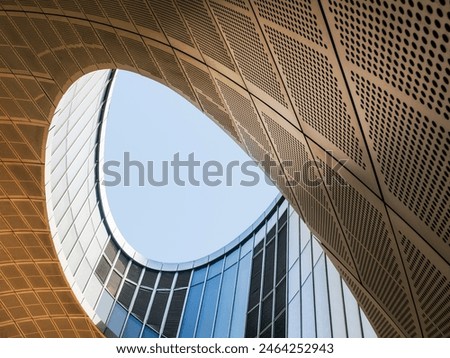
(289, 79)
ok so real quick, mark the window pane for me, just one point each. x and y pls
(104, 306)
(191, 311)
(294, 280)
(149, 278)
(165, 281)
(121, 263)
(207, 312)
(321, 297)
(223, 320)
(174, 314)
(255, 283)
(294, 318)
(102, 269)
(113, 283)
(117, 319)
(280, 326)
(157, 311)
(251, 329)
(126, 294)
(132, 328)
(281, 254)
(141, 303)
(351, 313)
(280, 297)
(183, 279)
(336, 302)
(134, 272)
(232, 258)
(269, 268)
(266, 312)
(215, 268)
(199, 276)
(306, 262)
(149, 333)
(308, 317)
(241, 297)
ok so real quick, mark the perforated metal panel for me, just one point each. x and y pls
(405, 44)
(251, 56)
(170, 20)
(295, 15)
(205, 31)
(413, 152)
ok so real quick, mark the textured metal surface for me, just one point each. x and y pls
(366, 79)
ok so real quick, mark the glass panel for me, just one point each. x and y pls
(199, 276)
(157, 310)
(317, 250)
(149, 333)
(223, 319)
(183, 279)
(280, 297)
(165, 280)
(294, 318)
(279, 328)
(269, 268)
(231, 258)
(134, 272)
(272, 220)
(191, 311)
(126, 294)
(149, 278)
(294, 280)
(121, 263)
(281, 254)
(92, 291)
(306, 262)
(113, 283)
(104, 306)
(336, 302)
(132, 328)
(308, 317)
(321, 297)
(207, 312)
(102, 269)
(282, 220)
(117, 319)
(260, 235)
(174, 314)
(266, 312)
(251, 329)
(111, 250)
(241, 297)
(255, 282)
(305, 235)
(141, 303)
(351, 313)
(215, 268)
(246, 247)
(294, 239)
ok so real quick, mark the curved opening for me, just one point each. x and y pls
(178, 187)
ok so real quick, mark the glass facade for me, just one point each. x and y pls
(274, 280)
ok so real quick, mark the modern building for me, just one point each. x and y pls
(272, 281)
(359, 89)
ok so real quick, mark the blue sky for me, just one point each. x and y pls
(175, 223)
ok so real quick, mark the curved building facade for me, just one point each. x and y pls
(274, 280)
(349, 95)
